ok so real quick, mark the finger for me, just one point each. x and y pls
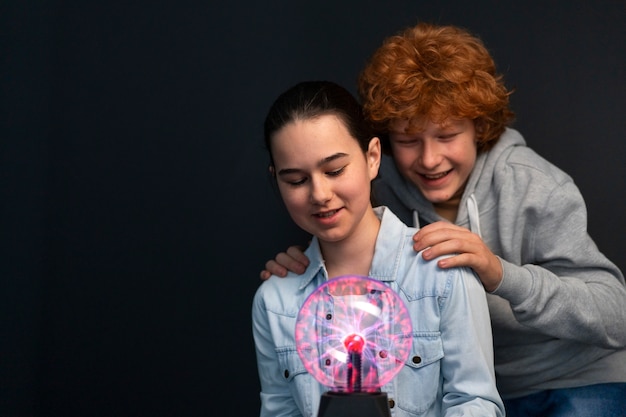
(291, 263)
(462, 238)
(461, 260)
(490, 276)
(297, 253)
(442, 240)
(458, 245)
(440, 225)
(275, 268)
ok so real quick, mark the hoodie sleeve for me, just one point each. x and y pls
(565, 287)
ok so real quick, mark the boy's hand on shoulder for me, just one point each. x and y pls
(292, 260)
(469, 250)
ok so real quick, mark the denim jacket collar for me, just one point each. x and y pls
(386, 256)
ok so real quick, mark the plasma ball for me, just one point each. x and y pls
(353, 334)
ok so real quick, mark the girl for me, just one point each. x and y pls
(324, 157)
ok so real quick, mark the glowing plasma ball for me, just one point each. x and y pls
(353, 334)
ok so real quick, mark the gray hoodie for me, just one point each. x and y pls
(559, 315)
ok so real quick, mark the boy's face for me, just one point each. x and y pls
(438, 160)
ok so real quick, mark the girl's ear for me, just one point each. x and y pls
(374, 153)
(272, 170)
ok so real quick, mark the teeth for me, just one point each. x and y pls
(435, 177)
(327, 214)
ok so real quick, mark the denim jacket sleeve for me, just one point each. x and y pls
(450, 370)
(277, 398)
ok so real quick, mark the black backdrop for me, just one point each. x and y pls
(136, 211)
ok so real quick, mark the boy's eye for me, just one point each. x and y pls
(447, 136)
(404, 141)
(407, 144)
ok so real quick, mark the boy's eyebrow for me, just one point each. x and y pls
(323, 161)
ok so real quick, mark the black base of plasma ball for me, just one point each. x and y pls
(354, 404)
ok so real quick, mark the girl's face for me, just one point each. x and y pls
(438, 160)
(324, 176)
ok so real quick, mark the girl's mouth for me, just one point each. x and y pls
(326, 214)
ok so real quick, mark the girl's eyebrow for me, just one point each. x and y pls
(323, 161)
(331, 158)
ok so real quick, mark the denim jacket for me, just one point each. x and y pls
(449, 371)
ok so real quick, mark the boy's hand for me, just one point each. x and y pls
(293, 260)
(442, 238)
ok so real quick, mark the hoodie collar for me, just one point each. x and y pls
(480, 182)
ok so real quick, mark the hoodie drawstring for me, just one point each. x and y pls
(416, 220)
(472, 211)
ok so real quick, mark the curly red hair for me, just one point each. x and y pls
(439, 72)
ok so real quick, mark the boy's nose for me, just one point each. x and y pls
(430, 157)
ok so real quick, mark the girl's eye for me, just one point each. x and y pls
(297, 182)
(294, 182)
(336, 172)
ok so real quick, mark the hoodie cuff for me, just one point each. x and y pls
(516, 283)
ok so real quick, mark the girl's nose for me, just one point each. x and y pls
(321, 191)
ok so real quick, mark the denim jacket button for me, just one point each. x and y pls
(286, 373)
(416, 359)
(392, 403)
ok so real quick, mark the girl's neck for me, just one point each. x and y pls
(353, 255)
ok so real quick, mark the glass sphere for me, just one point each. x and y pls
(353, 333)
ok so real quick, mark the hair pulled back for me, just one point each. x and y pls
(312, 99)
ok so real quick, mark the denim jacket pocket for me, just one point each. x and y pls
(301, 383)
(290, 363)
(419, 382)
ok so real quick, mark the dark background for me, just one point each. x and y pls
(135, 209)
